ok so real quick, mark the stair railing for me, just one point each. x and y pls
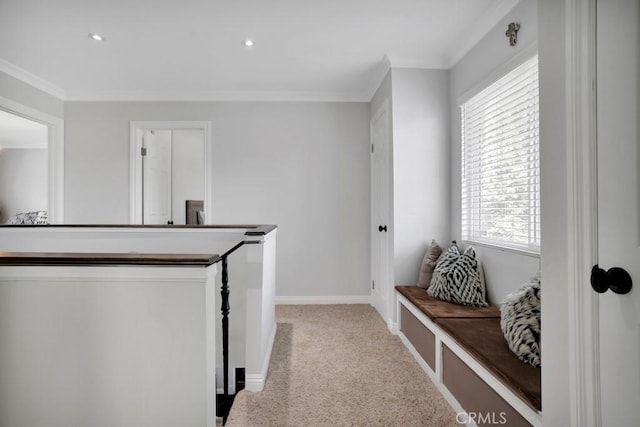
(225, 324)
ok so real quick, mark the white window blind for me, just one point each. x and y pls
(501, 162)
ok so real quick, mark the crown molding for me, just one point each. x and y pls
(31, 79)
(387, 63)
(195, 96)
(215, 96)
(432, 63)
(376, 78)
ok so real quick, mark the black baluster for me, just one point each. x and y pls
(226, 402)
(225, 337)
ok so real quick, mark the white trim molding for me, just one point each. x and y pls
(255, 382)
(31, 79)
(311, 300)
(500, 71)
(217, 96)
(582, 210)
(135, 163)
(55, 153)
(376, 78)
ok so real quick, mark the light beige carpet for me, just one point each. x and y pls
(338, 365)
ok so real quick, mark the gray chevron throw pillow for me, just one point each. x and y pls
(456, 278)
(520, 321)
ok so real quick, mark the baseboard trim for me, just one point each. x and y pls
(306, 300)
(255, 382)
(393, 327)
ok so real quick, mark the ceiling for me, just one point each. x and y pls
(191, 49)
(18, 132)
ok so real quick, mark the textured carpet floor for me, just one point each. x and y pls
(338, 365)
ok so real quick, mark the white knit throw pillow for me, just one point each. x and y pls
(520, 321)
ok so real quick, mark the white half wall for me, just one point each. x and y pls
(261, 283)
(107, 346)
(302, 166)
(504, 271)
(163, 240)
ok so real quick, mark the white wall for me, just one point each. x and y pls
(302, 166)
(23, 181)
(553, 160)
(504, 271)
(418, 101)
(420, 166)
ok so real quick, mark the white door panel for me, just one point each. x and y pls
(618, 112)
(380, 213)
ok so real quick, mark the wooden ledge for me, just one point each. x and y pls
(251, 228)
(94, 259)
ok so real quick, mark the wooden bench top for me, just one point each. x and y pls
(435, 308)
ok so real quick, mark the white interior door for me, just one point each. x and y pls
(380, 217)
(618, 112)
(156, 181)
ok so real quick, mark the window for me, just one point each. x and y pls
(501, 162)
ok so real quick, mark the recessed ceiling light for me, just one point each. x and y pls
(247, 43)
(96, 37)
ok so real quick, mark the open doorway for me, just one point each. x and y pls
(169, 171)
(31, 165)
(23, 169)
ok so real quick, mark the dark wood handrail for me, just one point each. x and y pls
(89, 259)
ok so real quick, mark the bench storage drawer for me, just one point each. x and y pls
(475, 395)
(422, 338)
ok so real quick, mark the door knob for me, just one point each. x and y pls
(617, 279)
(381, 228)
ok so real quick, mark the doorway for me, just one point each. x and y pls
(169, 172)
(31, 164)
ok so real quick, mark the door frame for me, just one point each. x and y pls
(55, 154)
(384, 304)
(582, 212)
(135, 163)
